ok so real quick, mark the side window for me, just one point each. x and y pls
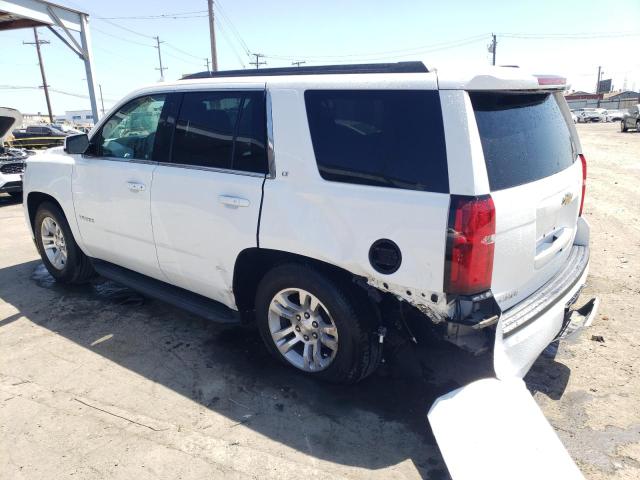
(221, 130)
(204, 131)
(389, 138)
(130, 132)
(250, 153)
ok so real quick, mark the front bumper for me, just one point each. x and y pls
(10, 185)
(526, 329)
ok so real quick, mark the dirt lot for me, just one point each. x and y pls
(99, 382)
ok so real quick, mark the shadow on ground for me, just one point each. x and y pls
(6, 200)
(377, 423)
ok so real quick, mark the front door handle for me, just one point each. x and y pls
(136, 187)
(233, 201)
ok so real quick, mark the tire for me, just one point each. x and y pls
(623, 126)
(16, 195)
(76, 267)
(357, 349)
(638, 126)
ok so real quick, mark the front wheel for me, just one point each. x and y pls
(317, 325)
(623, 126)
(638, 126)
(59, 252)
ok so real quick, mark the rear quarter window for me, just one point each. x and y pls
(390, 138)
(524, 136)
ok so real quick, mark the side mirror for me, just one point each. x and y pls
(76, 143)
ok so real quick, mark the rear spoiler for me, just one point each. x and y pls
(501, 78)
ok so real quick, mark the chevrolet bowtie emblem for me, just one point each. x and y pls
(566, 200)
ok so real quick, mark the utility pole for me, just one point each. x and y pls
(298, 63)
(37, 43)
(162, 69)
(492, 48)
(207, 60)
(600, 72)
(257, 63)
(101, 101)
(212, 34)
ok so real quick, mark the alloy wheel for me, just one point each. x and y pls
(303, 330)
(53, 243)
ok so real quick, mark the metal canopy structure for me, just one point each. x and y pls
(17, 14)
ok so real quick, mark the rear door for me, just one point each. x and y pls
(535, 181)
(206, 197)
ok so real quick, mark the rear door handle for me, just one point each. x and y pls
(233, 201)
(136, 187)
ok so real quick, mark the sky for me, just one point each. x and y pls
(567, 37)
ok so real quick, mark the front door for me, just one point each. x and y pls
(112, 187)
(205, 201)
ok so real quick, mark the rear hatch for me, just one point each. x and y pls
(9, 118)
(535, 178)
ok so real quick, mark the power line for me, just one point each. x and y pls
(571, 36)
(128, 29)
(389, 53)
(120, 38)
(175, 15)
(173, 47)
(234, 30)
(230, 43)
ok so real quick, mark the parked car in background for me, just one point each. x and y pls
(574, 117)
(615, 115)
(12, 160)
(587, 115)
(631, 119)
(39, 131)
(333, 209)
(39, 136)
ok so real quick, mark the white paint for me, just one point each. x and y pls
(493, 429)
(197, 237)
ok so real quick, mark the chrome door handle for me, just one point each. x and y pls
(233, 201)
(136, 187)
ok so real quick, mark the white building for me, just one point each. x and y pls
(76, 117)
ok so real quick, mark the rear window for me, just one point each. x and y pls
(524, 136)
(389, 138)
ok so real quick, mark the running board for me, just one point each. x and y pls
(176, 296)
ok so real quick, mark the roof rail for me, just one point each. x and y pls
(399, 67)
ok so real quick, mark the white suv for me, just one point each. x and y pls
(333, 205)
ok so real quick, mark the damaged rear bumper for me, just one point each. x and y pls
(526, 329)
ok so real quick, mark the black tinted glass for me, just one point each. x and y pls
(390, 138)
(222, 130)
(250, 154)
(205, 127)
(524, 137)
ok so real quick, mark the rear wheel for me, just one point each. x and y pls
(60, 254)
(623, 127)
(316, 325)
(638, 126)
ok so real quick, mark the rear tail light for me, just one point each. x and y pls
(584, 181)
(470, 244)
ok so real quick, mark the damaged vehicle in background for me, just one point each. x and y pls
(334, 206)
(12, 160)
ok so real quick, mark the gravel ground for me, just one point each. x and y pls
(99, 382)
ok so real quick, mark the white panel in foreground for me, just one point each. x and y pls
(493, 429)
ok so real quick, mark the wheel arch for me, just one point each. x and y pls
(34, 200)
(252, 264)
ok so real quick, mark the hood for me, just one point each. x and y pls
(9, 118)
